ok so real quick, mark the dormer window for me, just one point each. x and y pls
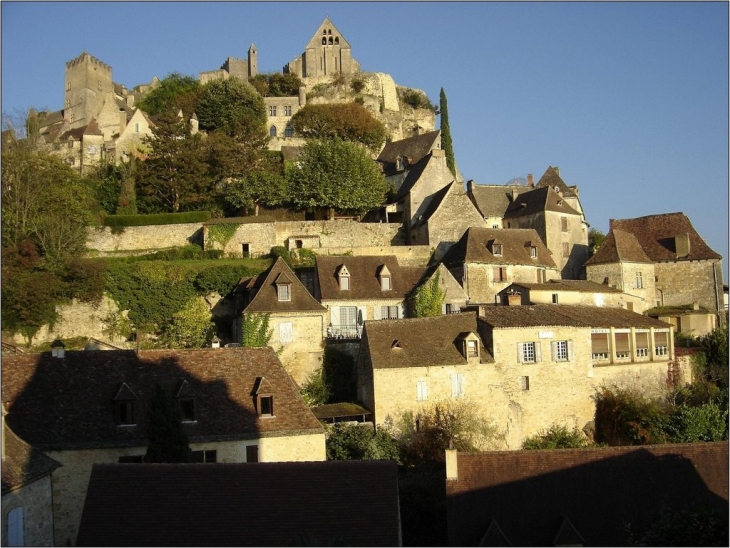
(185, 398)
(385, 278)
(58, 349)
(496, 248)
(468, 344)
(124, 406)
(283, 287)
(343, 277)
(263, 395)
(533, 252)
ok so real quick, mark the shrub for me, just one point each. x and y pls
(281, 251)
(556, 437)
(360, 442)
(315, 391)
(222, 279)
(627, 417)
(157, 219)
(357, 85)
(706, 422)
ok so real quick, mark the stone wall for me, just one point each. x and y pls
(479, 280)
(35, 499)
(101, 241)
(683, 282)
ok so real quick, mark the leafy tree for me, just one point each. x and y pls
(690, 524)
(175, 92)
(168, 441)
(338, 175)
(347, 121)
(257, 188)
(315, 390)
(255, 330)
(595, 239)
(428, 299)
(222, 279)
(416, 99)
(626, 417)
(29, 300)
(556, 437)
(360, 442)
(190, 327)
(692, 424)
(446, 142)
(714, 345)
(276, 84)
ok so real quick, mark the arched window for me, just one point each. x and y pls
(288, 131)
(337, 40)
(330, 40)
(272, 131)
(329, 31)
(324, 41)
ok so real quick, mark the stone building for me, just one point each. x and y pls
(327, 53)
(524, 368)
(239, 68)
(88, 407)
(581, 292)
(662, 259)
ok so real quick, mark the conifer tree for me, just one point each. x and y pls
(168, 441)
(446, 142)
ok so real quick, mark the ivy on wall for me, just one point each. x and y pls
(221, 233)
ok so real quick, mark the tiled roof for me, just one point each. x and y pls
(420, 342)
(351, 503)
(414, 174)
(339, 410)
(266, 298)
(536, 201)
(22, 464)
(93, 128)
(364, 282)
(530, 494)
(619, 246)
(580, 286)
(472, 247)
(538, 315)
(656, 235)
(551, 178)
(493, 200)
(414, 148)
(68, 402)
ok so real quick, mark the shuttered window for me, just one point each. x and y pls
(642, 344)
(562, 350)
(421, 390)
(599, 346)
(661, 343)
(457, 385)
(623, 345)
(528, 352)
(285, 332)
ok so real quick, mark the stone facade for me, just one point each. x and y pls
(634, 279)
(87, 82)
(480, 283)
(102, 241)
(35, 499)
(684, 282)
(326, 53)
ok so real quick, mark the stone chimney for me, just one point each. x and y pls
(530, 181)
(681, 244)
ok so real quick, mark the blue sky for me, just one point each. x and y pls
(630, 100)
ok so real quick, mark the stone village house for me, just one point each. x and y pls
(524, 367)
(88, 407)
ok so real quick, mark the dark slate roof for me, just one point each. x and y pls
(536, 201)
(420, 342)
(414, 174)
(22, 464)
(531, 494)
(551, 178)
(67, 403)
(539, 315)
(351, 503)
(656, 235)
(619, 246)
(472, 247)
(580, 286)
(364, 282)
(266, 298)
(414, 148)
(493, 200)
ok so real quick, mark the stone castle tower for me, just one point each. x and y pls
(88, 80)
(326, 53)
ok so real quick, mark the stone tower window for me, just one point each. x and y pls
(288, 131)
(324, 41)
(337, 40)
(68, 86)
(272, 131)
(330, 41)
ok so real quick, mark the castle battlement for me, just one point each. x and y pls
(85, 57)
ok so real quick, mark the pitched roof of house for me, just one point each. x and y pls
(436, 200)
(537, 200)
(579, 286)
(266, 297)
(493, 200)
(414, 148)
(68, 402)
(472, 247)
(538, 315)
(531, 494)
(352, 503)
(420, 342)
(619, 246)
(414, 174)
(656, 233)
(364, 282)
(551, 178)
(21, 463)
(340, 410)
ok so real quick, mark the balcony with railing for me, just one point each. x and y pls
(344, 331)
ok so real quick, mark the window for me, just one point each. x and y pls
(389, 312)
(266, 406)
(130, 459)
(124, 411)
(285, 332)
(16, 535)
(68, 86)
(208, 456)
(245, 250)
(497, 250)
(272, 111)
(385, 283)
(283, 292)
(344, 278)
(136, 127)
(252, 453)
(533, 252)
(623, 345)
(73, 117)
(661, 346)
(187, 409)
(68, 103)
(70, 144)
(287, 110)
(566, 249)
(288, 131)
(272, 131)
(642, 344)
(457, 384)
(555, 298)
(472, 350)
(562, 351)
(564, 224)
(525, 383)
(599, 346)
(499, 273)
(528, 352)
(421, 390)
(451, 308)
(98, 85)
(495, 226)
(639, 281)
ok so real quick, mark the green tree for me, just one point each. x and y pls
(714, 345)
(347, 121)
(315, 390)
(168, 441)
(446, 142)
(255, 332)
(336, 174)
(360, 442)
(257, 188)
(190, 327)
(276, 84)
(29, 300)
(428, 299)
(174, 93)
(556, 437)
(595, 239)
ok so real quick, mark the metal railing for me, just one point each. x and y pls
(344, 331)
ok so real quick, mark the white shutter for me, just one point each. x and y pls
(443, 308)
(285, 332)
(425, 390)
(460, 383)
(538, 351)
(520, 353)
(401, 313)
(454, 385)
(376, 313)
(570, 351)
(554, 350)
(335, 316)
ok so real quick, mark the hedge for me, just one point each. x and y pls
(157, 219)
